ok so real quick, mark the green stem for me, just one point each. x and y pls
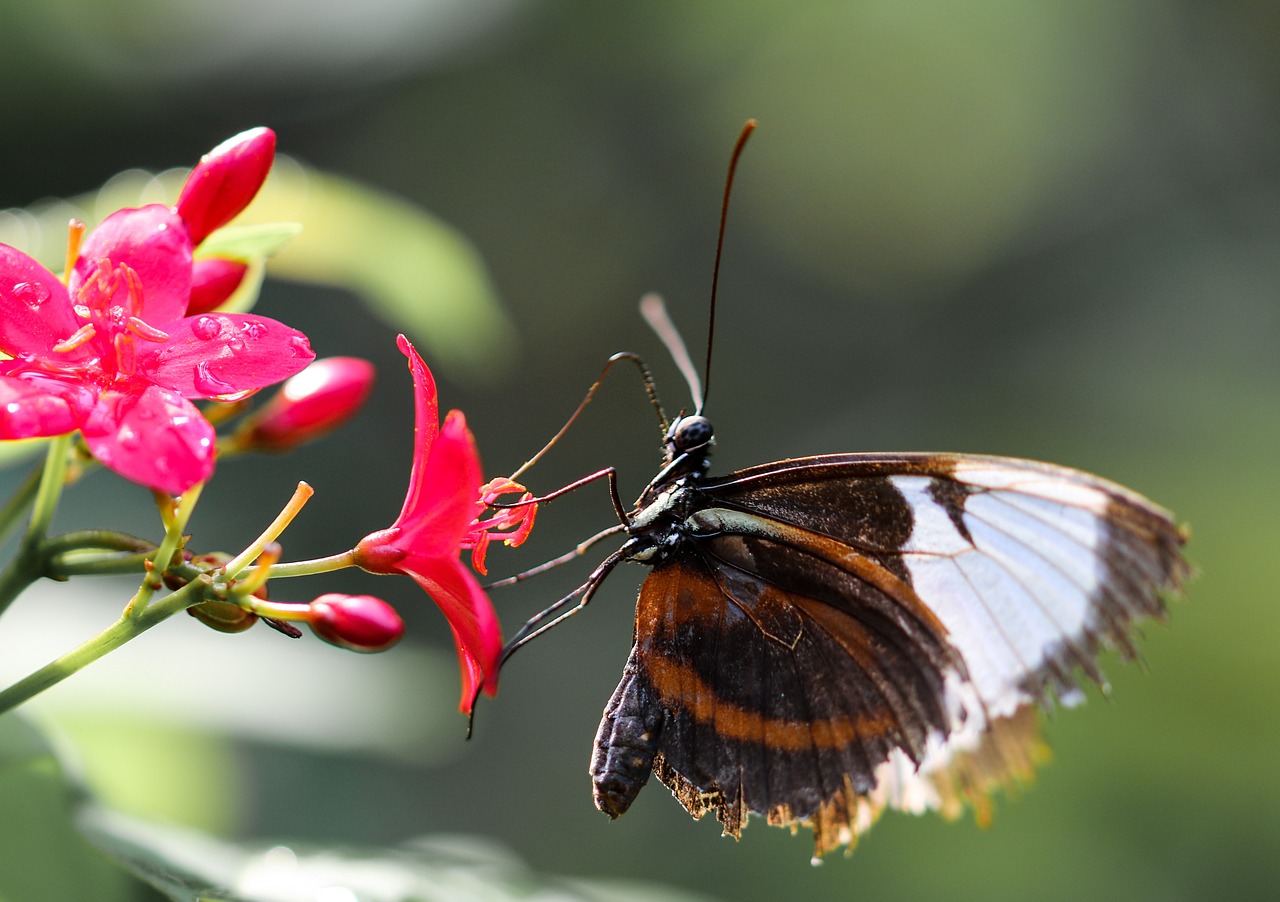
(21, 572)
(18, 504)
(314, 566)
(51, 482)
(27, 565)
(120, 632)
(96, 540)
(169, 546)
(96, 563)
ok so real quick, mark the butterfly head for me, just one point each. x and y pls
(688, 444)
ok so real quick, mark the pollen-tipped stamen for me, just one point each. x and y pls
(75, 234)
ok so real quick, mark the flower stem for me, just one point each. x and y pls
(126, 628)
(20, 501)
(314, 566)
(169, 546)
(28, 564)
(47, 495)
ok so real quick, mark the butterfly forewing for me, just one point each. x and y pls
(829, 636)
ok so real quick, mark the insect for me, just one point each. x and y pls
(823, 638)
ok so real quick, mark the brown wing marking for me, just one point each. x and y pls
(784, 729)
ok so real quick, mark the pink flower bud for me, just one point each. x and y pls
(225, 180)
(356, 622)
(320, 398)
(213, 280)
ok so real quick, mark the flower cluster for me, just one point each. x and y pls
(117, 348)
(114, 352)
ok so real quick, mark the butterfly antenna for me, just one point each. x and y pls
(649, 390)
(655, 314)
(748, 127)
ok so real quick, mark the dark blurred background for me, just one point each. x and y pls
(1041, 229)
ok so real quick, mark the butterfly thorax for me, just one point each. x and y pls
(657, 525)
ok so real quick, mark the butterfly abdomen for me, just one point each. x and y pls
(625, 743)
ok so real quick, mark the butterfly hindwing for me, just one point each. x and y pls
(835, 635)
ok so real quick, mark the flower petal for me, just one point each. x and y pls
(225, 180)
(33, 406)
(426, 425)
(215, 355)
(476, 631)
(213, 280)
(35, 312)
(156, 438)
(153, 242)
(444, 495)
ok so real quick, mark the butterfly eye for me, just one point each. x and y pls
(690, 433)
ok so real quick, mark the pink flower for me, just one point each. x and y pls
(440, 517)
(113, 354)
(320, 398)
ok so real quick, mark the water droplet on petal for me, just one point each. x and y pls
(206, 328)
(235, 345)
(209, 385)
(128, 439)
(253, 331)
(300, 346)
(33, 294)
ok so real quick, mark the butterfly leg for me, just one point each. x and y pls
(541, 622)
(581, 549)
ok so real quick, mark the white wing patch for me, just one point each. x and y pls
(1021, 586)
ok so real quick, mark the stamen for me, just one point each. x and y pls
(75, 234)
(126, 354)
(479, 551)
(514, 523)
(145, 331)
(76, 339)
(134, 301)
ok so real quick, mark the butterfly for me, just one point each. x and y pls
(823, 638)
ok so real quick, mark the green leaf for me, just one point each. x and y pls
(416, 272)
(188, 867)
(44, 857)
(249, 242)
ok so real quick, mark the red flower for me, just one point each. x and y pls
(440, 517)
(113, 353)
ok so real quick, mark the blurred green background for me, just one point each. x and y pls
(1047, 229)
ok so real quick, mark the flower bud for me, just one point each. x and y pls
(224, 181)
(356, 622)
(223, 616)
(213, 280)
(323, 396)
